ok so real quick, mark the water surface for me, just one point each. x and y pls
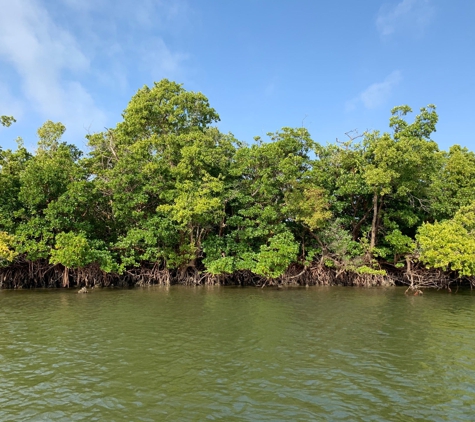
(232, 354)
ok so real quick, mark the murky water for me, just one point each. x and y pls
(192, 354)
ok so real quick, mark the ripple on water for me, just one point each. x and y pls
(237, 354)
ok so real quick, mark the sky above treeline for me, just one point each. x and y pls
(330, 66)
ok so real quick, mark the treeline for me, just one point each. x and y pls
(165, 197)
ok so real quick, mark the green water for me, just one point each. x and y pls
(230, 354)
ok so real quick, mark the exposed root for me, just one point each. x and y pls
(420, 278)
(27, 274)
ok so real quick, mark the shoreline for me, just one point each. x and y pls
(31, 275)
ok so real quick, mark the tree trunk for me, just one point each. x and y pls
(374, 224)
(66, 277)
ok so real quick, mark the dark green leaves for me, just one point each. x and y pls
(166, 189)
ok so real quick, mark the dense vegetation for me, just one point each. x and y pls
(164, 197)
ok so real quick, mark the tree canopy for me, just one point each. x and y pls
(164, 195)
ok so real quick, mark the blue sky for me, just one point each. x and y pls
(332, 66)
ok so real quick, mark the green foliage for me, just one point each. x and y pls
(450, 244)
(381, 186)
(166, 108)
(71, 250)
(49, 135)
(261, 197)
(76, 251)
(276, 256)
(340, 246)
(7, 254)
(7, 120)
(46, 177)
(400, 167)
(400, 244)
(12, 165)
(364, 269)
(453, 186)
(164, 188)
(310, 206)
(271, 261)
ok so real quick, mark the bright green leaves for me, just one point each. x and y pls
(163, 164)
(378, 189)
(450, 245)
(74, 250)
(422, 127)
(48, 191)
(310, 206)
(154, 241)
(12, 164)
(71, 250)
(47, 176)
(196, 203)
(275, 257)
(166, 108)
(453, 186)
(49, 136)
(266, 184)
(270, 261)
(400, 243)
(401, 166)
(138, 163)
(165, 190)
(34, 238)
(380, 171)
(7, 253)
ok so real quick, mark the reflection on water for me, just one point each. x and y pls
(237, 354)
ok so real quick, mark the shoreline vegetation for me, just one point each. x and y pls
(165, 198)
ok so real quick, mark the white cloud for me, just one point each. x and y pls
(9, 105)
(64, 51)
(47, 57)
(407, 15)
(160, 60)
(376, 94)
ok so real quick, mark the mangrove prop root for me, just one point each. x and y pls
(41, 274)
